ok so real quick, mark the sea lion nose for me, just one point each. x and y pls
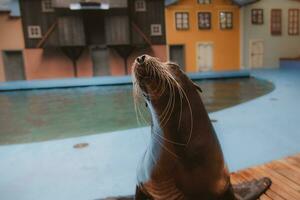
(141, 59)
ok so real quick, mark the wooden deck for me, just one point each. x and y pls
(285, 175)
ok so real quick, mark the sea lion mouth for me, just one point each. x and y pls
(146, 75)
(155, 82)
(153, 79)
(146, 68)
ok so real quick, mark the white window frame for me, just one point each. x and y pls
(32, 35)
(153, 32)
(293, 21)
(207, 2)
(228, 20)
(139, 8)
(276, 22)
(182, 20)
(44, 6)
(200, 22)
(257, 16)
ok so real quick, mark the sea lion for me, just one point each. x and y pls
(184, 159)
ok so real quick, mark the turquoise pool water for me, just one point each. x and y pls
(39, 115)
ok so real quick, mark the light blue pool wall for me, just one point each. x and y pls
(105, 80)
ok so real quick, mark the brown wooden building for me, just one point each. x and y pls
(90, 38)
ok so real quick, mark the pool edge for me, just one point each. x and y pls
(106, 81)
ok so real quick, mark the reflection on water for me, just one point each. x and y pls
(38, 115)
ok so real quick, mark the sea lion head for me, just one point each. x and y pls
(161, 84)
(152, 77)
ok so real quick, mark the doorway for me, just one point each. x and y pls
(205, 56)
(176, 53)
(256, 53)
(13, 65)
(100, 61)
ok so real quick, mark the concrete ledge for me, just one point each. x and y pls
(105, 80)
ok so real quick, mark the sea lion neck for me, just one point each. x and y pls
(172, 114)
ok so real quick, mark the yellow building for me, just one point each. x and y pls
(204, 35)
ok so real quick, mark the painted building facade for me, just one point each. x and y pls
(204, 35)
(65, 39)
(270, 32)
(11, 41)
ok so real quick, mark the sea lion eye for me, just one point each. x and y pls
(146, 104)
(146, 96)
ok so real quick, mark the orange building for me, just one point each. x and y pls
(204, 35)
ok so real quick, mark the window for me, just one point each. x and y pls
(156, 30)
(204, 1)
(140, 5)
(257, 16)
(276, 21)
(226, 20)
(47, 6)
(182, 20)
(293, 27)
(34, 32)
(204, 20)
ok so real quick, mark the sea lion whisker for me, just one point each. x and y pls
(141, 116)
(191, 114)
(172, 104)
(166, 81)
(164, 147)
(169, 141)
(180, 114)
(137, 114)
(172, 98)
(168, 107)
(137, 97)
(176, 85)
(168, 103)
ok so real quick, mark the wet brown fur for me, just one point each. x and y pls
(184, 159)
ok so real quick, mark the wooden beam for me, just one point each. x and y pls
(46, 36)
(139, 31)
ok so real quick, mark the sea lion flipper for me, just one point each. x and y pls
(252, 190)
(140, 194)
(198, 87)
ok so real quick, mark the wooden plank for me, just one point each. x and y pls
(285, 176)
(250, 175)
(235, 178)
(281, 182)
(46, 36)
(117, 30)
(265, 197)
(277, 187)
(290, 171)
(280, 177)
(71, 31)
(295, 161)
